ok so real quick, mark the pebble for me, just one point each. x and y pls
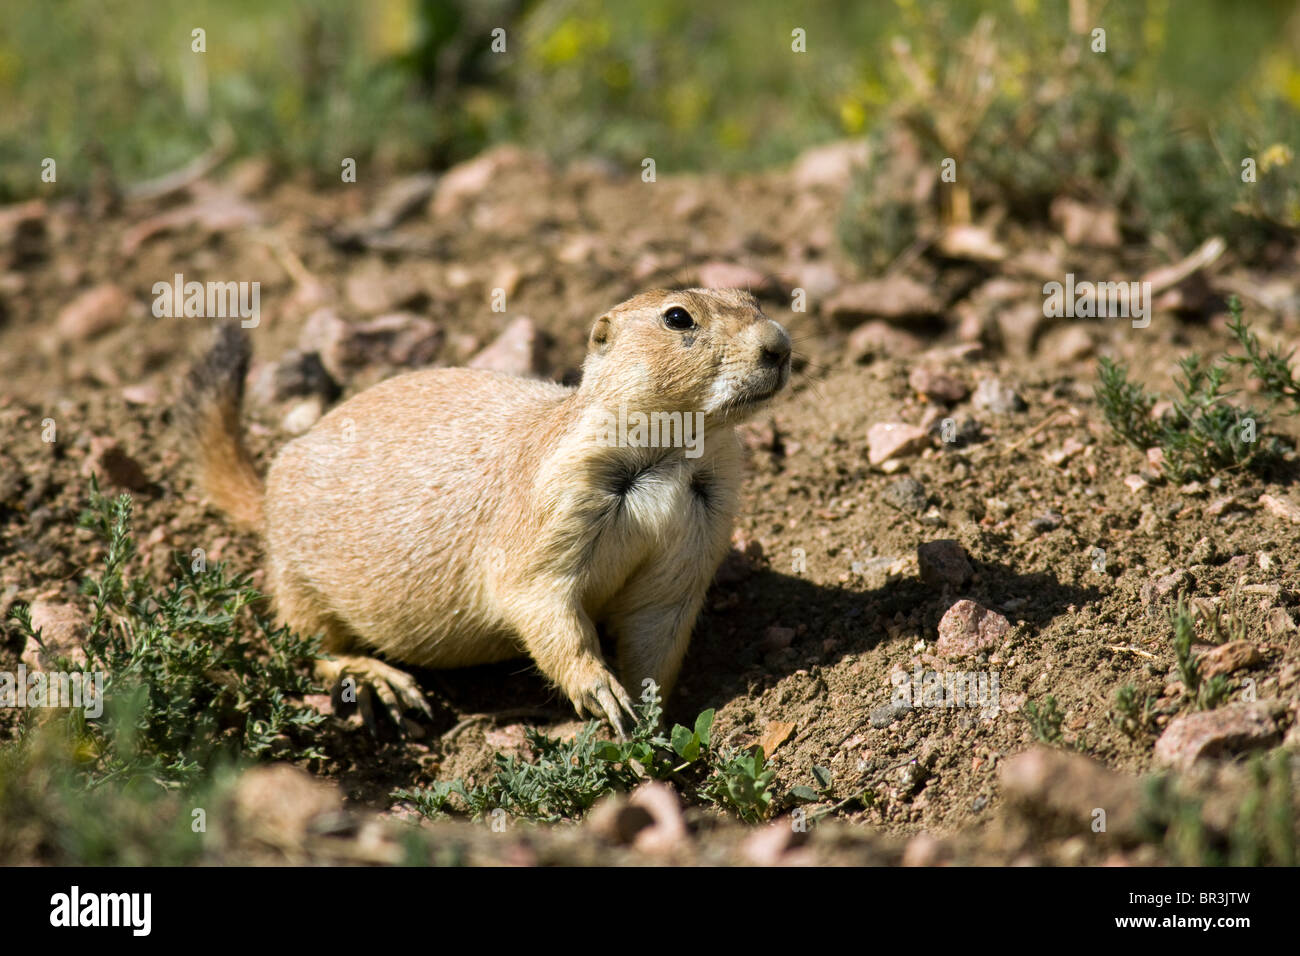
(1224, 732)
(944, 563)
(968, 628)
(516, 351)
(886, 440)
(908, 495)
(993, 396)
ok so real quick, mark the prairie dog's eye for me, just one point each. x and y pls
(678, 319)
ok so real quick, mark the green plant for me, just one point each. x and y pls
(1206, 694)
(192, 676)
(1131, 715)
(1045, 721)
(743, 782)
(1204, 432)
(563, 778)
(560, 780)
(1262, 832)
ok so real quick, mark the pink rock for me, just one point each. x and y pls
(967, 628)
(1281, 508)
(1230, 657)
(730, 275)
(667, 829)
(1213, 733)
(516, 351)
(465, 182)
(63, 629)
(880, 338)
(943, 562)
(93, 312)
(777, 638)
(896, 297)
(1083, 224)
(831, 165)
(937, 385)
(886, 440)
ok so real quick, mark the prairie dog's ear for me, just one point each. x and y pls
(602, 334)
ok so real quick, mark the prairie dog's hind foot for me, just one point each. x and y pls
(395, 688)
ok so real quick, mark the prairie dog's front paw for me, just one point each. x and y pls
(598, 694)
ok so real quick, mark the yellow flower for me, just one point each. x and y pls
(1279, 154)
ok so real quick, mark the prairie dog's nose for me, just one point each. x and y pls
(774, 345)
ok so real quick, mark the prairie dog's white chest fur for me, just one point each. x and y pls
(636, 508)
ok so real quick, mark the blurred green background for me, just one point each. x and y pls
(113, 84)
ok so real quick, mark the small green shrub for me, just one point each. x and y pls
(1045, 720)
(193, 677)
(1205, 432)
(561, 779)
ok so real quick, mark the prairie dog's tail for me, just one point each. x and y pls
(208, 415)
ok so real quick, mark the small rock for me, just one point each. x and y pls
(140, 395)
(1215, 733)
(302, 416)
(967, 628)
(936, 385)
(831, 165)
(817, 278)
(992, 396)
(111, 463)
(1085, 224)
(884, 715)
(1019, 325)
(769, 845)
(730, 275)
(516, 351)
(777, 638)
(1048, 521)
(1170, 584)
(467, 181)
(943, 563)
(972, 243)
(1281, 508)
(372, 291)
(907, 494)
(1135, 483)
(1278, 623)
(887, 440)
(896, 298)
(1071, 344)
(1069, 448)
(1069, 788)
(877, 338)
(1156, 460)
(93, 312)
(401, 339)
(614, 821)
(667, 829)
(1228, 658)
(1203, 552)
(282, 805)
(63, 629)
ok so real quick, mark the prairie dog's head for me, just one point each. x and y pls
(695, 350)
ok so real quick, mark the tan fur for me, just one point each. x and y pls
(452, 517)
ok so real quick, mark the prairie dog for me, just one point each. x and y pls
(450, 517)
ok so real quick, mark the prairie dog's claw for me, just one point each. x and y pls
(395, 689)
